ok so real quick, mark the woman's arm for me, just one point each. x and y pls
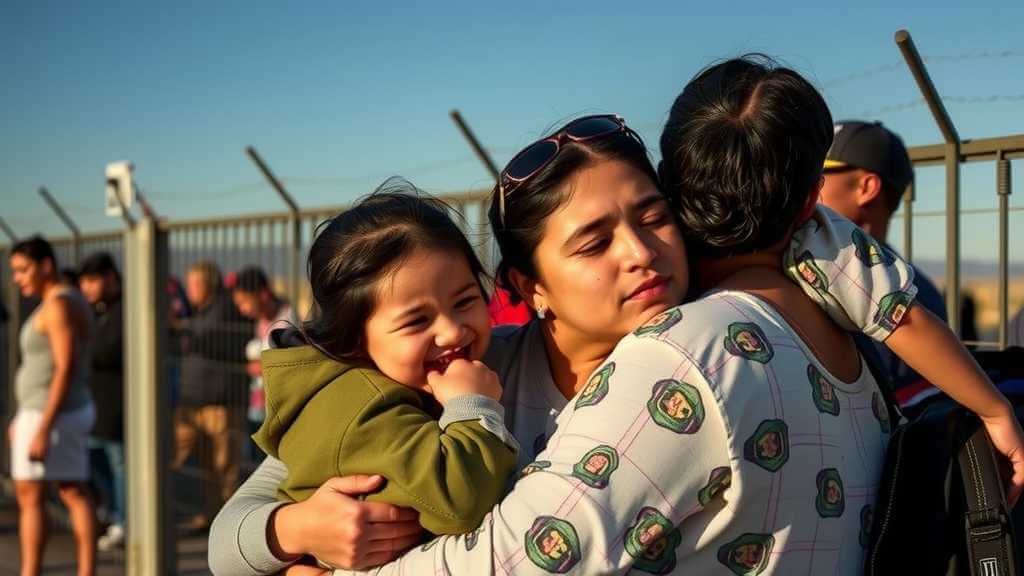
(627, 465)
(59, 328)
(239, 534)
(255, 534)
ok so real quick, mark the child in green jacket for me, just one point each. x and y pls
(398, 326)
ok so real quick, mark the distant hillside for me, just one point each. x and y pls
(969, 269)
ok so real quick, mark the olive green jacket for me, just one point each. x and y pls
(325, 419)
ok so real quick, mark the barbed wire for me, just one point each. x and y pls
(918, 102)
(891, 67)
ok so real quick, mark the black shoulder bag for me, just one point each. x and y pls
(941, 506)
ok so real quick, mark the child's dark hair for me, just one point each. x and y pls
(742, 149)
(358, 248)
(529, 205)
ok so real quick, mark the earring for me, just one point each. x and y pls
(542, 312)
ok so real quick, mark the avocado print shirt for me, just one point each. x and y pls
(711, 441)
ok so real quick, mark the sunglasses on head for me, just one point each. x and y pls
(532, 159)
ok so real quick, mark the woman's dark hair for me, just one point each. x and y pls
(35, 248)
(743, 147)
(358, 248)
(530, 203)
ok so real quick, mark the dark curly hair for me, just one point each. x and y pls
(743, 147)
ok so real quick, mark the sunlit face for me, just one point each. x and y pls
(428, 312)
(838, 192)
(30, 276)
(195, 288)
(92, 286)
(249, 304)
(612, 257)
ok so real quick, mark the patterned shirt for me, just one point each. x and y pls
(711, 441)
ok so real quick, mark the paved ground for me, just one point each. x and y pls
(60, 550)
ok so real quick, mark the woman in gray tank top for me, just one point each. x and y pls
(55, 410)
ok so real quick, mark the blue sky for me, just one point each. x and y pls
(339, 95)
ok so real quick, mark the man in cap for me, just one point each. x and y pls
(867, 170)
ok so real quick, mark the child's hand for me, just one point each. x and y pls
(1008, 440)
(464, 377)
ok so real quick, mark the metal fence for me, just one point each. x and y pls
(202, 463)
(278, 243)
(176, 353)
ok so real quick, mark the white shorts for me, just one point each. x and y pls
(68, 456)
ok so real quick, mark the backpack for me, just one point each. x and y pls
(941, 506)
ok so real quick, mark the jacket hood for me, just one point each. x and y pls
(291, 378)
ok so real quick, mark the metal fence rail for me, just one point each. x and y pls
(1000, 151)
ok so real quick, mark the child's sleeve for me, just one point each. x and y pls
(862, 284)
(451, 471)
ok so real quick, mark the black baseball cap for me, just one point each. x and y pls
(872, 147)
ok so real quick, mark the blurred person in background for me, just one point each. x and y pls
(69, 276)
(178, 311)
(100, 283)
(256, 301)
(214, 387)
(55, 410)
(866, 172)
(969, 318)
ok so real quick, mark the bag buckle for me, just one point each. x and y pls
(987, 525)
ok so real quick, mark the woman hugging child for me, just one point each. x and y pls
(385, 378)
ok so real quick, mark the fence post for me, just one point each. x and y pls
(478, 149)
(949, 134)
(294, 226)
(1003, 190)
(908, 223)
(76, 235)
(8, 231)
(13, 304)
(487, 252)
(150, 548)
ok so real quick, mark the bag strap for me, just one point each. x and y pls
(988, 528)
(886, 388)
